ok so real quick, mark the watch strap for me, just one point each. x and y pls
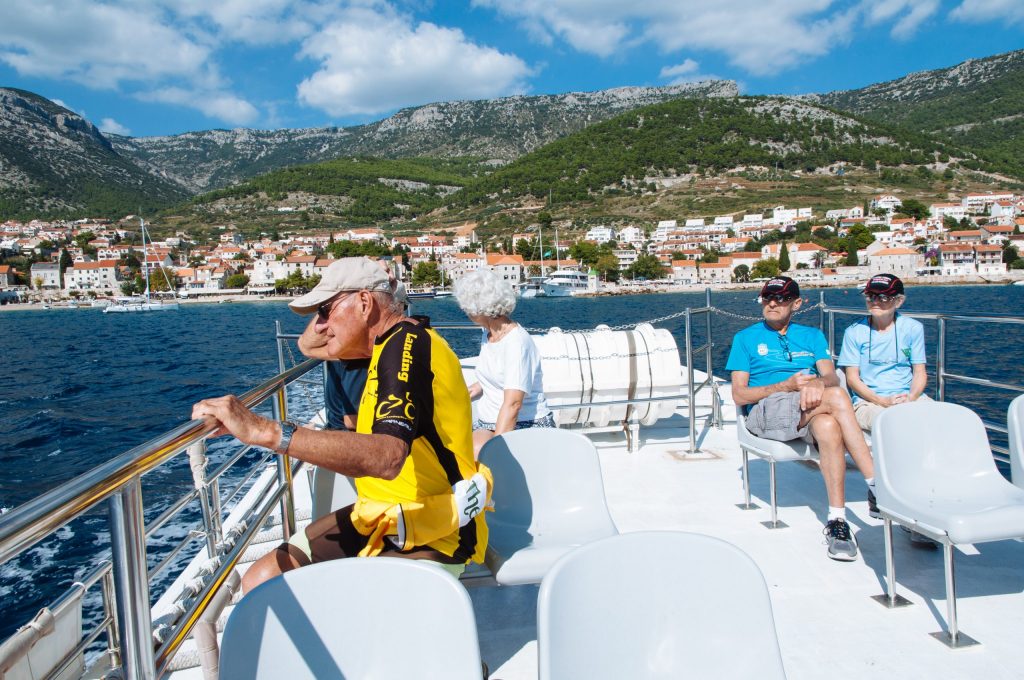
(287, 430)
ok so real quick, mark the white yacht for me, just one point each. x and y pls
(532, 287)
(566, 282)
(665, 453)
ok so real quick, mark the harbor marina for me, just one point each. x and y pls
(682, 472)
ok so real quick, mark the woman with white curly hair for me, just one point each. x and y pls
(509, 385)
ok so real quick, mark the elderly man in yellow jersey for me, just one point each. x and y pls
(420, 491)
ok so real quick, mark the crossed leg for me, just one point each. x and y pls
(836, 431)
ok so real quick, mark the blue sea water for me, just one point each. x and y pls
(83, 386)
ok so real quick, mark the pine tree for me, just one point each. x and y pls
(65, 262)
(851, 257)
(783, 256)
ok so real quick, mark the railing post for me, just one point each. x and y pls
(691, 402)
(940, 362)
(280, 346)
(708, 332)
(831, 333)
(821, 312)
(131, 582)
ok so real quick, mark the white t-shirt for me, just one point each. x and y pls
(512, 363)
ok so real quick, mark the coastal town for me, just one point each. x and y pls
(976, 239)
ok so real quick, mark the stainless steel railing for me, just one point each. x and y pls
(126, 578)
(943, 376)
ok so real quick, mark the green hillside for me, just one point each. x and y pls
(977, 105)
(701, 136)
(372, 189)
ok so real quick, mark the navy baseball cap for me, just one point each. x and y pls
(781, 285)
(884, 284)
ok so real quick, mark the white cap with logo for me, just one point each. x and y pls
(345, 275)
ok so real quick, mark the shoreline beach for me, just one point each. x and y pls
(618, 291)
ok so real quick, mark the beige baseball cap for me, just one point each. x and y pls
(347, 274)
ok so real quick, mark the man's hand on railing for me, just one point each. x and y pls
(234, 418)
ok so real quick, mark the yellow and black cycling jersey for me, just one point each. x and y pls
(415, 392)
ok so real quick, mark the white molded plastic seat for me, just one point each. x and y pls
(658, 604)
(331, 491)
(1015, 427)
(378, 617)
(772, 451)
(548, 498)
(934, 473)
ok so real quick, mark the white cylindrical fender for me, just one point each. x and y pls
(605, 365)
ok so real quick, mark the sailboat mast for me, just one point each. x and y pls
(145, 256)
(540, 238)
(558, 257)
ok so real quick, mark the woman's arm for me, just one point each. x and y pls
(510, 405)
(918, 383)
(475, 390)
(862, 390)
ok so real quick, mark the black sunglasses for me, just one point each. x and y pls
(880, 297)
(323, 312)
(785, 347)
(777, 299)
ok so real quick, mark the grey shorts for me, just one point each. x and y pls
(543, 421)
(777, 417)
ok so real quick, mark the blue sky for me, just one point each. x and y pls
(156, 67)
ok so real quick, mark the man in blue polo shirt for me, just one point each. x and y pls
(784, 380)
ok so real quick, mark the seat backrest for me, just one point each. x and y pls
(547, 480)
(929, 449)
(1015, 427)
(659, 604)
(331, 491)
(376, 617)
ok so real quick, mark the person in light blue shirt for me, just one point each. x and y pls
(883, 354)
(784, 380)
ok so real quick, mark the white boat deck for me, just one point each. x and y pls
(827, 623)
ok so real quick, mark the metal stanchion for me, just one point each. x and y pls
(131, 582)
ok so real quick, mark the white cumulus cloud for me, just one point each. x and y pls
(686, 72)
(374, 60)
(760, 36)
(113, 127)
(97, 45)
(257, 22)
(124, 45)
(904, 16)
(219, 105)
(979, 11)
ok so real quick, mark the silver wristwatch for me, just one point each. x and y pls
(287, 430)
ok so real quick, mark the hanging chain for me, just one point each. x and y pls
(744, 317)
(669, 317)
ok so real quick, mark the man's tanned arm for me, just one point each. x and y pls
(312, 343)
(348, 453)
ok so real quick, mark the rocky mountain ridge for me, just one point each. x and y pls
(500, 129)
(53, 161)
(923, 86)
(977, 105)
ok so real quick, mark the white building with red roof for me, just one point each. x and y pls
(101, 276)
(902, 262)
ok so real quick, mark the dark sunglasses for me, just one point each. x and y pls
(777, 299)
(785, 347)
(880, 297)
(323, 312)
